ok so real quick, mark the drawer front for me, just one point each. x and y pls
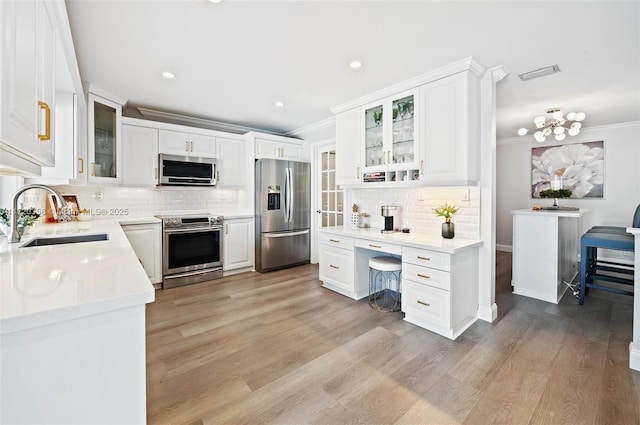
(427, 258)
(336, 266)
(343, 242)
(426, 276)
(426, 302)
(379, 246)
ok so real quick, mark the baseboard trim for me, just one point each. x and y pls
(488, 314)
(634, 357)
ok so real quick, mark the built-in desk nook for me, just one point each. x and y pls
(439, 281)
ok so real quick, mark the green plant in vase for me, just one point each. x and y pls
(447, 211)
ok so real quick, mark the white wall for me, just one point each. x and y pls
(621, 186)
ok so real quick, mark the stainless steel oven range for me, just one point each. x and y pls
(191, 249)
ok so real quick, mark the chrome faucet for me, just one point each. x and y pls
(16, 232)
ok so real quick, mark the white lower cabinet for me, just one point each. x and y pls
(440, 290)
(237, 245)
(146, 240)
(337, 264)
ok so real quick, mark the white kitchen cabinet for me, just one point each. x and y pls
(237, 245)
(233, 161)
(336, 260)
(139, 155)
(27, 75)
(104, 137)
(277, 147)
(390, 129)
(348, 141)
(186, 144)
(546, 246)
(439, 292)
(450, 133)
(146, 240)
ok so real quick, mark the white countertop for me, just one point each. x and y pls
(50, 284)
(557, 213)
(415, 240)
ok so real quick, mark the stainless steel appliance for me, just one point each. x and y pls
(191, 249)
(282, 214)
(187, 170)
(390, 212)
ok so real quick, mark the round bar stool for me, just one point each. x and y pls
(383, 272)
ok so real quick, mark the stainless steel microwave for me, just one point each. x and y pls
(187, 170)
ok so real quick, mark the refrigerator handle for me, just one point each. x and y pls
(291, 191)
(285, 210)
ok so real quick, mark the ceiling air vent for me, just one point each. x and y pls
(541, 72)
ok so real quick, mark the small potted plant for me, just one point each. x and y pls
(447, 211)
(26, 218)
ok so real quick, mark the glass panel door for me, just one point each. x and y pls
(104, 139)
(331, 197)
(373, 142)
(403, 130)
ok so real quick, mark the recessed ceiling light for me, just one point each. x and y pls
(355, 64)
(279, 104)
(168, 75)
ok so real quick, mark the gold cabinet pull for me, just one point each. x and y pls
(226, 229)
(333, 240)
(423, 258)
(358, 173)
(218, 175)
(93, 168)
(424, 276)
(422, 167)
(186, 146)
(190, 146)
(375, 246)
(155, 173)
(81, 165)
(47, 121)
(423, 303)
(334, 267)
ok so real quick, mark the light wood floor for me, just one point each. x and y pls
(279, 348)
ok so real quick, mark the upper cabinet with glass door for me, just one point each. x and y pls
(104, 138)
(390, 130)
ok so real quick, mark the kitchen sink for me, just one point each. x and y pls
(59, 240)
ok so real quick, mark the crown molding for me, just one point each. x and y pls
(583, 130)
(466, 64)
(327, 123)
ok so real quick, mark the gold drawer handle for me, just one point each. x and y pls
(375, 246)
(81, 165)
(424, 258)
(423, 303)
(334, 267)
(93, 168)
(424, 276)
(333, 240)
(47, 121)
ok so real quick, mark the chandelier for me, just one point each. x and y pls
(558, 125)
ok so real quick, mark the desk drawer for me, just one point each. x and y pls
(427, 303)
(387, 248)
(428, 258)
(336, 266)
(343, 242)
(426, 276)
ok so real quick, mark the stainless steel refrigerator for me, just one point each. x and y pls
(283, 200)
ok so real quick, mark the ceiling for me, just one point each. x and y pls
(234, 59)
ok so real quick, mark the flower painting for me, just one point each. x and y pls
(578, 167)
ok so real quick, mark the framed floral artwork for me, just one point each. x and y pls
(578, 167)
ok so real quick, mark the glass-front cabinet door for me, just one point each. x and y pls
(104, 139)
(390, 144)
(373, 136)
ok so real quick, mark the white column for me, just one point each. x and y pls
(487, 308)
(634, 346)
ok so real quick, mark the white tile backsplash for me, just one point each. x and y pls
(417, 207)
(139, 202)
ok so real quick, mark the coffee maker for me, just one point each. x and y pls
(390, 212)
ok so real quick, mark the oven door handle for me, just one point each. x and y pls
(284, 235)
(193, 230)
